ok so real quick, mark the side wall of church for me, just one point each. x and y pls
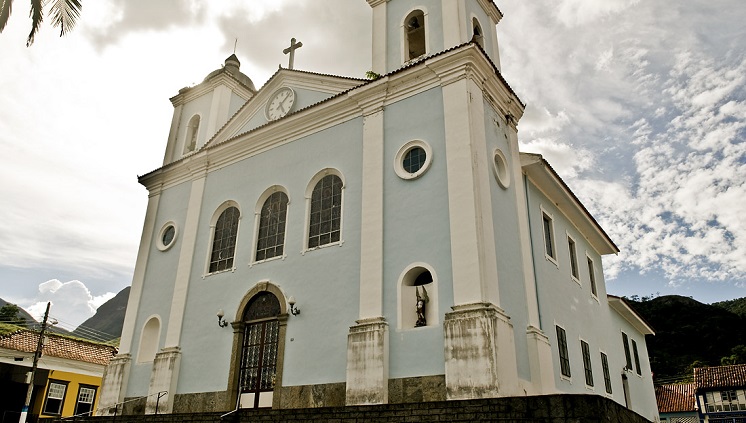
(199, 106)
(568, 302)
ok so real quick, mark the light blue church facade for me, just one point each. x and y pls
(369, 241)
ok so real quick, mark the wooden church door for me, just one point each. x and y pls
(259, 351)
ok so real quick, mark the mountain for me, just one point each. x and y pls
(21, 312)
(737, 306)
(688, 331)
(106, 324)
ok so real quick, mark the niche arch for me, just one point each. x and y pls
(417, 277)
(150, 337)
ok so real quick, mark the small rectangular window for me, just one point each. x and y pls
(573, 258)
(592, 275)
(627, 355)
(548, 237)
(587, 363)
(86, 396)
(637, 357)
(607, 376)
(564, 357)
(55, 398)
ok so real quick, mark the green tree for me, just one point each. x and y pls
(737, 356)
(64, 15)
(9, 314)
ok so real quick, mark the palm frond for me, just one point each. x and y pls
(37, 16)
(65, 14)
(5, 9)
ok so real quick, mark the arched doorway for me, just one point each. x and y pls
(259, 350)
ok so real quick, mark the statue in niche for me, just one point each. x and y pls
(422, 301)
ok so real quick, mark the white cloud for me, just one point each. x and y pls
(567, 160)
(72, 302)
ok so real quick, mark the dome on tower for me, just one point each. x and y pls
(231, 67)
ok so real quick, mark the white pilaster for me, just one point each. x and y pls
(371, 236)
(173, 137)
(184, 269)
(469, 206)
(133, 302)
(379, 35)
(221, 98)
(454, 23)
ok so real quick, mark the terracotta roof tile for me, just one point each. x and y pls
(675, 398)
(57, 346)
(720, 376)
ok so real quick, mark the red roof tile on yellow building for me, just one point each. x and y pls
(58, 346)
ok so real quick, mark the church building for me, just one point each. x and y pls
(334, 241)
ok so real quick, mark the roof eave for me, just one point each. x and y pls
(619, 305)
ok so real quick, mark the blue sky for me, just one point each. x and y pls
(639, 106)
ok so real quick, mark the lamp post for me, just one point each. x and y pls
(37, 354)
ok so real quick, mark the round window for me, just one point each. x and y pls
(500, 169)
(167, 236)
(413, 159)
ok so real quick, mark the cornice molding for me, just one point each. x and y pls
(375, 3)
(191, 93)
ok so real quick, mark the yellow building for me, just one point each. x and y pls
(67, 381)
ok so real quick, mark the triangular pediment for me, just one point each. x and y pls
(309, 89)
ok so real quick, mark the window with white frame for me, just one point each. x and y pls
(592, 276)
(607, 375)
(224, 240)
(86, 396)
(271, 232)
(724, 401)
(55, 397)
(325, 215)
(548, 226)
(587, 367)
(573, 258)
(564, 356)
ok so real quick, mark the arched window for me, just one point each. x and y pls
(190, 142)
(149, 339)
(271, 232)
(325, 219)
(478, 36)
(224, 240)
(414, 35)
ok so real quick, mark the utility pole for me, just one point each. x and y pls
(37, 354)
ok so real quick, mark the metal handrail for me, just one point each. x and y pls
(116, 406)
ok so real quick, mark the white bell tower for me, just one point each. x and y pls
(406, 30)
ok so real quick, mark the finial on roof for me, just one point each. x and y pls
(232, 64)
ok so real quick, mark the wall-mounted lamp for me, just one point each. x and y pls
(293, 309)
(222, 323)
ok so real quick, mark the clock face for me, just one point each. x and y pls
(280, 103)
